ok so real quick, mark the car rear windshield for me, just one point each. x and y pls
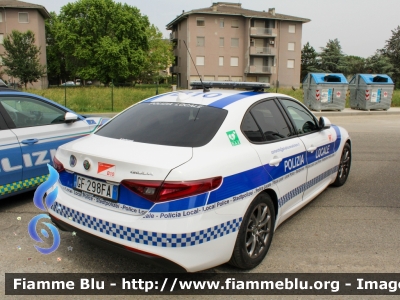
(164, 123)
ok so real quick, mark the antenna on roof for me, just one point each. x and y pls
(205, 90)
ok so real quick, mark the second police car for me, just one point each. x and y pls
(31, 129)
(198, 179)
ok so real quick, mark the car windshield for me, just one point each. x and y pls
(164, 123)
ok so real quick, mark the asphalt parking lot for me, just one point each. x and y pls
(354, 228)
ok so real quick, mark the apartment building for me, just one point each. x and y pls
(23, 16)
(230, 43)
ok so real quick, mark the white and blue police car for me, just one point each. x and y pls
(198, 178)
(31, 129)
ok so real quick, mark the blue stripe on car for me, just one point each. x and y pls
(221, 103)
(183, 204)
(236, 184)
(339, 137)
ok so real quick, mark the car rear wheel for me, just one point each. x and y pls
(255, 234)
(344, 166)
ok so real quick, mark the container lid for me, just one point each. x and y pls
(376, 78)
(329, 78)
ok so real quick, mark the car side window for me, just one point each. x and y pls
(250, 129)
(302, 118)
(28, 112)
(265, 122)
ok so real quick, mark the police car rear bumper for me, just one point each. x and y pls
(128, 251)
(194, 243)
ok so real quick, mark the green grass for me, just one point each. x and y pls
(98, 99)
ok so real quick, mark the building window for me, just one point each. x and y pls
(234, 61)
(223, 78)
(209, 77)
(234, 42)
(23, 17)
(264, 79)
(270, 23)
(199, 60)
(221, 61)
(292, 28)
(221, 42)
(291, 46)
(221, 23)
(200, 41)
(200, 22)
(237, 78)
(290, 64)
(235, 24)
(195, 78)
(1, 39)
(1, 17)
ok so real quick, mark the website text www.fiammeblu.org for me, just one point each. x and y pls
(202, 283)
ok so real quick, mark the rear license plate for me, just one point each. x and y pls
(96, 187)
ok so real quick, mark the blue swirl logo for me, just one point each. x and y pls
(43, 201)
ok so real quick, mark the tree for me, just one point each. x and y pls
(353, 65)
(21, 57)
(103, 39)
(392, 51)
(379, 63)
(309, 60)
(56, 66)
(159, 56)
(332, 57)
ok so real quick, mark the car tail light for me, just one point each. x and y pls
(58, 165)
(158, 191)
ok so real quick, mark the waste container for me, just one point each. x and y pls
(325, 91)
(371, 91)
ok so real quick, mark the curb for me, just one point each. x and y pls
(356, 112)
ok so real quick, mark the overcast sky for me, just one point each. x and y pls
(361, 26)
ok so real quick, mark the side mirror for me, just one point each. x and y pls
(324, 123)
(70, 117)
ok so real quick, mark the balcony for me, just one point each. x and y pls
(262, 32)
(262, 50)
(173, 69)
(262, 70)
(173, 35)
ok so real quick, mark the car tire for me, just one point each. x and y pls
(255, 234)
(344, 166)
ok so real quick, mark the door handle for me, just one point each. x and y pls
(312, 149)
(30, 141)
(275, 161)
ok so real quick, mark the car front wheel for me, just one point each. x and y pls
(255, 234)
(344, 166)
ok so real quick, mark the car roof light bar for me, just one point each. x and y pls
(255, 86)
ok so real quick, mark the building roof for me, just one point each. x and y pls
(19, 4)
(235, 9)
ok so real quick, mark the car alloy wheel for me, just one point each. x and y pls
(255, 234)
(344, 166)
(258, 230)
